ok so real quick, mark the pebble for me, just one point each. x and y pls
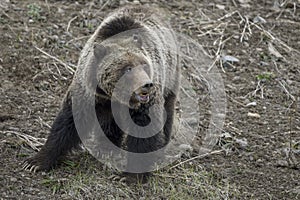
(242, 142)
(185, 147)
(259, 20)
(13, 179)
(221, 7)
(251, 104)
(254, 115)
(236, 79)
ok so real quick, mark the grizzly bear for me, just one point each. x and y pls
(134, 48)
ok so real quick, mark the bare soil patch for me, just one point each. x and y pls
(260, 144)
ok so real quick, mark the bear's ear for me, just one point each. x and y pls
(137, 40)
(100, 51)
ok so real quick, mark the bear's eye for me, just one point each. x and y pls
(128, 69)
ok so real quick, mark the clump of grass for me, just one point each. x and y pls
(90, 26)
(70, 164)
(34, 11)
(2, 20)
(54, 184)
(265, 76)
(187, 181)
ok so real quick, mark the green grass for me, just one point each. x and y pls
(34, 11)
(267, 76)
(54, 184)
(92, 180)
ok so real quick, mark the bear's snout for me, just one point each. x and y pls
(147, 86)
(143, 93)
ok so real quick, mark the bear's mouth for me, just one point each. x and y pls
(142, 97)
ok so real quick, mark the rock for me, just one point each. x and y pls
(228, 58)
(259, 20)
(13, 179)
(236, 79)
(274, 51)
(254, 115)
(251, 104)
(221, 7)
(185, 147)
(243, 143)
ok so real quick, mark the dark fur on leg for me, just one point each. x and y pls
(169, 105)
(63, 137)
(142, 145)
(108, 124)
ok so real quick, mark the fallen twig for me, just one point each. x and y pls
(197, 157)
(286, 91)
(69, 23)
(68, 67)
(31, 141)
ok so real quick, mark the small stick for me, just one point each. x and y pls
(243, 33)
(104, 5)
(227, 15)
(30, 140)
(44, 123)
(69, 23)
(267, 33)
(46, 1)
(75, 39)
(286, 91)
(196, 157)
(234, 3)
(213, 64)
(71, 70)
(185, 92)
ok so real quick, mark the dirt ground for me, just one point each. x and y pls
(256, 47)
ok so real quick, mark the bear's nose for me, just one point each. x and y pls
(148, 85)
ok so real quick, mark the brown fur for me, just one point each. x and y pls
(102, 62)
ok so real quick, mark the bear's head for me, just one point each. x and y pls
(124, 73)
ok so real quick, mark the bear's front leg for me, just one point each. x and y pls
(63, 137)
(169, 106)
(140, 166)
